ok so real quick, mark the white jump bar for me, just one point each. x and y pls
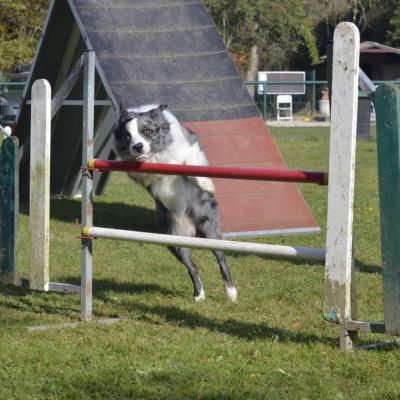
(209, 244)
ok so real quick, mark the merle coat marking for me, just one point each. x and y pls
(185, 206)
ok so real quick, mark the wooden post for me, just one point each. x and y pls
(87, 184)
(8, 208)
(387, 102)
(339, 284)
(39, 220)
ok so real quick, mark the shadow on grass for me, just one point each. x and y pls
(99, 286)
(367, 268)
(10, 290)
(67, 305)
(240, 329)
(32, 303)
(193, 319)
(109, 215)
(104, 285)
(153, 384)
(170, 314)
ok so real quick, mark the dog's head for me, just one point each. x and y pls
(138, 135)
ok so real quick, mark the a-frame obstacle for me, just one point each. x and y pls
(179, 60)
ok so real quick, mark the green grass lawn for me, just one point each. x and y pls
(271, 344)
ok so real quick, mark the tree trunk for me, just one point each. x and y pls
(252, 69)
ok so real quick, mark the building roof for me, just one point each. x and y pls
(377, 48)
(368, 47)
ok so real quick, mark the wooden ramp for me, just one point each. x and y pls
(162, 51)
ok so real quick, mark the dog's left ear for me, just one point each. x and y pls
(157, 112)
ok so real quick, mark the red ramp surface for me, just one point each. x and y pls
(252, 207)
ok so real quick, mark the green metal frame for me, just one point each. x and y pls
(8, 208)
(387, 103)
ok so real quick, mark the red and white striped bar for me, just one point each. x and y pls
(261, 174)
(310, 253)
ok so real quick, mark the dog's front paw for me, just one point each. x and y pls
(206, 184)
(231, 293)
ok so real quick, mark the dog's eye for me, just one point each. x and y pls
(147, 131)
(127, 137)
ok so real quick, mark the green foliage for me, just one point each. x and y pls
(20, 24)
(394, 32)
(278, 29)
(287, 32)
(236, 20)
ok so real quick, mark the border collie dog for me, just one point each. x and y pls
(185, 206)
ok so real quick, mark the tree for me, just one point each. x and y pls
(20, 24)
(237, 22)
(393, 35)
(265, 33)
(288, 39)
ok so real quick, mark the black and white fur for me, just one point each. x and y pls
(185, 206)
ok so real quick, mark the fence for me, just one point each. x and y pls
(305, 97)
(308, 107)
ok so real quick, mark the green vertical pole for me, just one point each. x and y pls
(265, 108)
(8, 208)
(314, 97)
(387, 103)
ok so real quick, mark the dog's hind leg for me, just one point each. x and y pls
(208, 226)
(171, 224)
(230, 289)
(184, 256)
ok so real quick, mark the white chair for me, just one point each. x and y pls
(284, 107)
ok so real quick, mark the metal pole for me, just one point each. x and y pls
(207, 244)
(87, 184)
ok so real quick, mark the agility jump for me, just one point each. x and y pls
(319, 178)
(265, 174)
(340, 293)
(340, 187)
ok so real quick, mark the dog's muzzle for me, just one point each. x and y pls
(137, 148)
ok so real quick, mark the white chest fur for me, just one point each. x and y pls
(170, 190)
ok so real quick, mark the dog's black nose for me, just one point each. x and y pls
(138, 147)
